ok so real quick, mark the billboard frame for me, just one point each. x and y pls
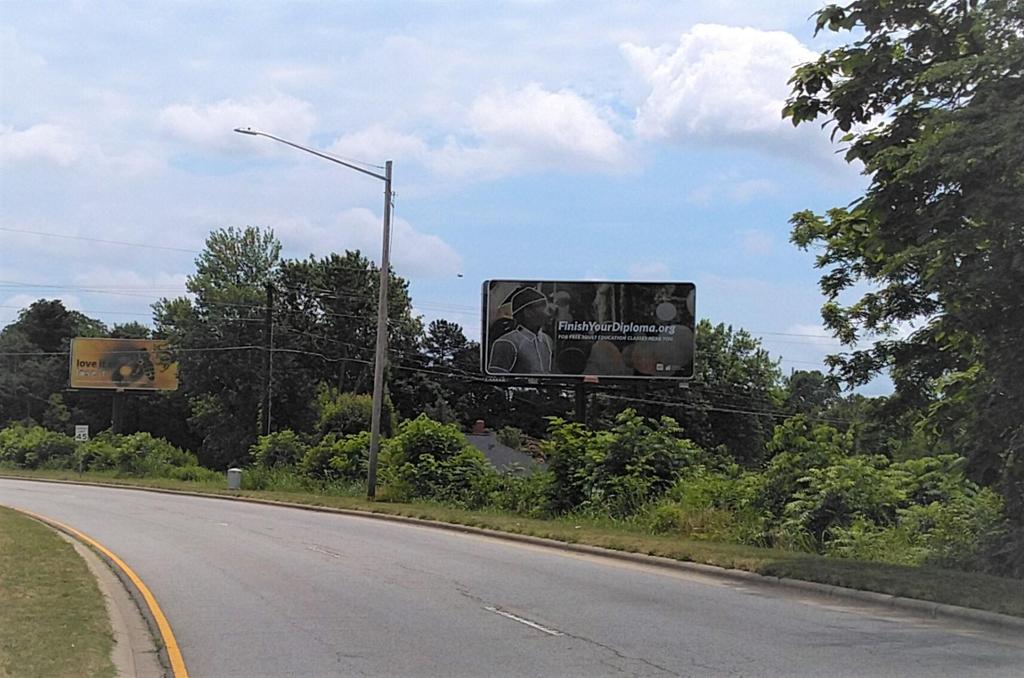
(571, 379)
(146, 346)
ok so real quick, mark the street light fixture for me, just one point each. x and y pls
(380, 358)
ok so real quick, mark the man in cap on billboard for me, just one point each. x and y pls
(525, 349)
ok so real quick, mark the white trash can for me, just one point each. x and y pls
(234, 478)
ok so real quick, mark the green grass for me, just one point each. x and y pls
(53, 622)
(967, 589)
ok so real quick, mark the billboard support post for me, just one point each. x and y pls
(117, 415)
(581, 403)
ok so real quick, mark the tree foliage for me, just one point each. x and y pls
(929, 96)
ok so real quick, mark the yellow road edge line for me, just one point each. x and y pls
(170, 642)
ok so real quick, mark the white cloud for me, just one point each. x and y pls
(720, 84)
(413, 253)
(55, 144)
(47, 142)
(378, 143)
(19, 302)
(210, 126)
(503, 133)
(549, 126)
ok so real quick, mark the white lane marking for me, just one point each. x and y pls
(223, 524)
(531, 624)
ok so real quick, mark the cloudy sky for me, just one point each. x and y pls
(530, 139)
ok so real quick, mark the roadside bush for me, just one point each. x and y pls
(526, 494)
(35, 447)
(138, 454)
(835, 496)
(350, 413)
(337, 458)
(616, 471)
(99, 453)
(571, 449)
(350, 457)
(427, 459)
(712, 503)
(143, 455)
(281, 448)
(510, 436)
(273, 479)
(955, 535)
(668, 517)
(797, 446)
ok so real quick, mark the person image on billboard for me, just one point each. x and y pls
(526, 348)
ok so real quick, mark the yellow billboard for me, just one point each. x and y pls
(123, 364)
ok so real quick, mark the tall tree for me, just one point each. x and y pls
(929, 96)
(327, 315)
(218, 334)
(34, 357)
(443, 341)
(809, 392)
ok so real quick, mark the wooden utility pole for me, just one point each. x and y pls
(268, 361)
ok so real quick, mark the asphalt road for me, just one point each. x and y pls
(256, 591)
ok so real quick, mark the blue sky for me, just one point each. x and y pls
(551, 140)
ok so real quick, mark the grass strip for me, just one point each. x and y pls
(53, 622)
(951, 587)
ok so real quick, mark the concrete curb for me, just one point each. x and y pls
(135, 653)
(912, 605)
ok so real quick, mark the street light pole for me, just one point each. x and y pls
(381, 355)
(380, 360)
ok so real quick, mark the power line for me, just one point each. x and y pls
(714, 408)
(101, 240)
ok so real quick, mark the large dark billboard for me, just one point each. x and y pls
(537, 328)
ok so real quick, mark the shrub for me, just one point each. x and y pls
(274, 479)
(337, 458)
(349, 413)
(428, 459)
(100, 453)
(571, 449)
(351, 457)
(663, 517)
(34, 447)
(958, 534)
(616, 471)
(142, 454)
(798, 446)
(526, 494)
(281, 448)
(852, 488)
(510, 436)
